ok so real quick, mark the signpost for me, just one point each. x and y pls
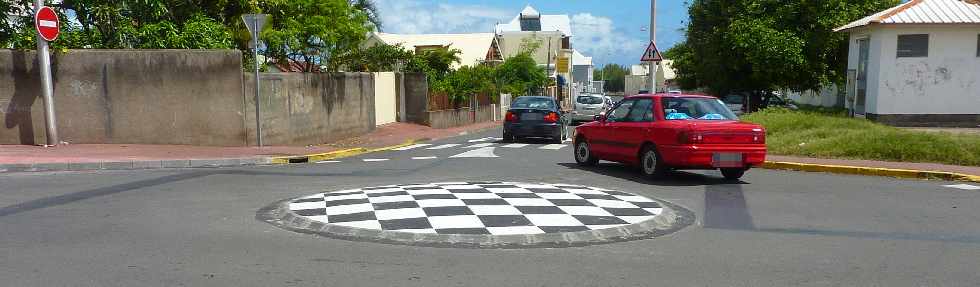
(652, 56)
(47, 25)
(254, 23)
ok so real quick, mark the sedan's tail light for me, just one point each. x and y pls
(689, 137)
(511, 117)
(552, 117)
(759, 137)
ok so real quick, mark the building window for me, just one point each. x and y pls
(530, 24)
(913, 46)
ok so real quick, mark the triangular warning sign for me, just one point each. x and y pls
(652, 54)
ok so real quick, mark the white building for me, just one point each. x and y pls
(917, 64)
(554, 32)
(475, 48)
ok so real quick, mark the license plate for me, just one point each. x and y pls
(724, 159)
(531, 117)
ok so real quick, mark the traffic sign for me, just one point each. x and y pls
(47, 24)
(254, 23)
(652, 54)
(562, 64)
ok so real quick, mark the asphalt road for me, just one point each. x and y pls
(197, 227)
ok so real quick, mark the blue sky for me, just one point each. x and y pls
(610, 31)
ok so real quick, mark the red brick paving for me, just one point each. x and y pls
(387, 135)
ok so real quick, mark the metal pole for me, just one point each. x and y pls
(258, 101)
(547, 66)
(47, 88)
(653, 38)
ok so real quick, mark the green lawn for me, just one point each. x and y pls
(830, 134)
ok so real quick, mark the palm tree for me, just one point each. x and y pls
(370, 9)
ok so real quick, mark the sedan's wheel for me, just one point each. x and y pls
(583, 154)
(651, 163)
(732, 173)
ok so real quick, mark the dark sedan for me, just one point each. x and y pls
(535, 117)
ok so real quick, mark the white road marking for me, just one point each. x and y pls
(425, 157)
(375, 159)
(414, 146)
(480, 152)
(445, 146)
(482, 145)
(482, 140)
(553, 146)
(515, 145)
(328, 161)
(963, 186)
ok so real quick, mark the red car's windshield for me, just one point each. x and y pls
(696, 109)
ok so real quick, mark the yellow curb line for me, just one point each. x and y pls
(336, 154)
(900, 173)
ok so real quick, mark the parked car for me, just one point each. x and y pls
(533, 116)
(587, 106)
(670, 131)
(736, 103)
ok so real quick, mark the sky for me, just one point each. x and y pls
(610, 31)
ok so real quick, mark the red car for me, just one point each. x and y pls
(672, 131)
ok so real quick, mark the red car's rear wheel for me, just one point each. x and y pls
(651, 163)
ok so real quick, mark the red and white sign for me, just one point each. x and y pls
(47, 24)
(652, 54)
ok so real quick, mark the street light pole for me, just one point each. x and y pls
(258, 100)
(47, 88)
(653, 39)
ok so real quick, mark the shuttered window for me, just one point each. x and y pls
(912, 46)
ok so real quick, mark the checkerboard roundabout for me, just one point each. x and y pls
(480, 215)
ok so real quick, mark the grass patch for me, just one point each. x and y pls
(831, 134)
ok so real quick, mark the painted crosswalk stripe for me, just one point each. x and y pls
(963, 186)
(414, 146)
(480, 152)
(515, 145)
(374, 159)
(481, 139)
(328, 161)
(425, 157)
(481, 145)
(553, 146)
(445, 146)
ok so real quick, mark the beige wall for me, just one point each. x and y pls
(385, 98)
(510, 44)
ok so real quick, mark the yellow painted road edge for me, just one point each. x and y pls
(900, 173)
(335, 154)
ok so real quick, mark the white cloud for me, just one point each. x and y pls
(597, 37)
(413, 17)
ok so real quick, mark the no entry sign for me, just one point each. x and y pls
(46, 23)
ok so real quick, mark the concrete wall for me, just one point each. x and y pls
(460, 117)
(826, 97)
(119, 96)
(385, 98)
(311, 108)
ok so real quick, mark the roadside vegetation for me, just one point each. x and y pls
(831, 134)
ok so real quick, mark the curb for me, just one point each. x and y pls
(872, 171)
(133, 165)
(337, 154)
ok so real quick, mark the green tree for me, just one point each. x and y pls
(756, 46)
(520, 75)
(436, 63)
(312, 31)
(467, 81)
(377, 58)
(615, 77)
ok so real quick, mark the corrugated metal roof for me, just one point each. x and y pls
(923, 12)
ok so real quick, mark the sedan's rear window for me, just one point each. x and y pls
(696, 109)
(589, 100)
(533, 103)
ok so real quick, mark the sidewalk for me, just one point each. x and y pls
(967, 170)
(135, 156)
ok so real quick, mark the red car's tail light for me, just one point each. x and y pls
(759, 137)
(690, 137)
(511, 117)
(552, 117)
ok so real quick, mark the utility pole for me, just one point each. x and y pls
(547, 66)
(653, 38)
(47, 88)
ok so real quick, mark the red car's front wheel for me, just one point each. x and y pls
(583, 154)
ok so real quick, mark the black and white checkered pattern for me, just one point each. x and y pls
(495, 208)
